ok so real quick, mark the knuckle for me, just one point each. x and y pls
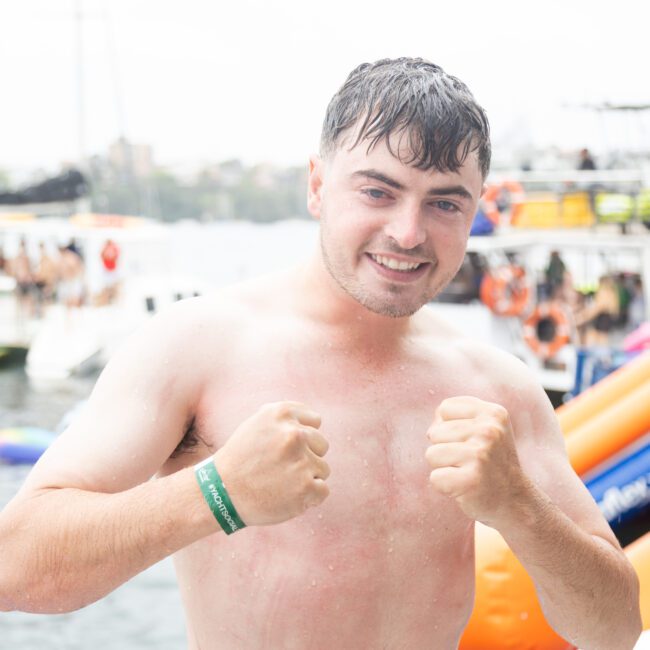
(293, 437)
(282, 409)
(500, 414)
(482, 455)
(491, 431)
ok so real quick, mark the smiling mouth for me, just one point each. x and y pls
(396, 265)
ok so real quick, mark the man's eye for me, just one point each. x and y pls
(447, 206)
(375, 193)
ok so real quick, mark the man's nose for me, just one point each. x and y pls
(406, 228)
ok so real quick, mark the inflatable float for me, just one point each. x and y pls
(24, 445)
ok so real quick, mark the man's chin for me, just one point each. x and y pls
(391, 308)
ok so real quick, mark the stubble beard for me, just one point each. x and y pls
(382, 305)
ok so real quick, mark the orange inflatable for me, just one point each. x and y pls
(507, 615)
(604, 394)
(638, 553)
(505, 290)
(610, 431)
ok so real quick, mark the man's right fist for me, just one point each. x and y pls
(272, 466)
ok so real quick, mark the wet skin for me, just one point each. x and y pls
(386, 561)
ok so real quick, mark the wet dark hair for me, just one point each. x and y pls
(410, 98)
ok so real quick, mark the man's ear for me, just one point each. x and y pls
(315, 185)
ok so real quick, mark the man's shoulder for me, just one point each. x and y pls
(228, 308)
(470, 355)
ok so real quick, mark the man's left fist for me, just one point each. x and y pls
(473, 457)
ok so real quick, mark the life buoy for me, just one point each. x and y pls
(505, 290)
(492, 194)
(560, 330)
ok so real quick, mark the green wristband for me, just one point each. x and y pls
(214, 492)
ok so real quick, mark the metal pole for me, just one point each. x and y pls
(81, 113)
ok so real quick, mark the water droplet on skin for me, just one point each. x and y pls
(232, 555)
(330, 567)
(431, 392)
(313, 583)
(349, 438)
(319, 515)
(365, 462)
(401, 367)
(390, 550)
(311, 530)
(256, 574)
(523, 616)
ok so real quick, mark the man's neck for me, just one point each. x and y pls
(328, 305)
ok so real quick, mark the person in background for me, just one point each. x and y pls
(20, 268)
(637, 306)
(71, 288)
(45, 278)
(110, 255)
(601, 313)
(554, 274)
(73, 247)
(585, 161)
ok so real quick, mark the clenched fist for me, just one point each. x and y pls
(272, 466)
(473, 457)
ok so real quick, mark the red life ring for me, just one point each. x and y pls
(561, 334)
(492, 193)
(505, 290)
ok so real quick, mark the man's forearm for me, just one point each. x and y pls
(587, 589)
(65, 548)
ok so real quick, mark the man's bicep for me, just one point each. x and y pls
(134, 419)
(543, 457)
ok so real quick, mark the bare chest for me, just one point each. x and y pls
(383, 547)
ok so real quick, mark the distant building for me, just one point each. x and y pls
(127, 157)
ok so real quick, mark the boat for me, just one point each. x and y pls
(70, 340)
(588, 253)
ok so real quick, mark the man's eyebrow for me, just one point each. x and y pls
(450, 190)
(378, 176)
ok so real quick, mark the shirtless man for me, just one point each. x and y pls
(427, 431)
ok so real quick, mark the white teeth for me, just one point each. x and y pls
(395, 264)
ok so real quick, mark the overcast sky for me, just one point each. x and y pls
(204, 80)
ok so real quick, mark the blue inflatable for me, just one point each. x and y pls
(24, 445)
(622, 491)
(481, 225)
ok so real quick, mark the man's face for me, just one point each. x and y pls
(392, 236)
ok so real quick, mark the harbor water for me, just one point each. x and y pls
(146, 612)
